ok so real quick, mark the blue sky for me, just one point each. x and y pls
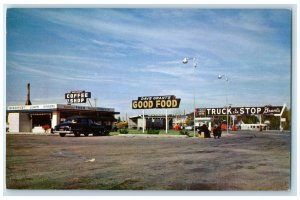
(121, 54)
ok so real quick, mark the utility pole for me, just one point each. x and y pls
(95, 99)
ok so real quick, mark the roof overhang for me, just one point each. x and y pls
(57, 107)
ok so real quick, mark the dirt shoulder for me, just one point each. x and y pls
(240, 161)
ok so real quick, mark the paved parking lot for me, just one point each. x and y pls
(239, 161)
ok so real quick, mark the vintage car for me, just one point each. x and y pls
(78, 125)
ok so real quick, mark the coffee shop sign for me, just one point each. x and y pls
(77, 96)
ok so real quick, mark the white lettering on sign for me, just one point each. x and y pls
(224, 111)
(77, 96)
(258, 110)
(267, 110)
(242, 111)
(77, 100)
(213, 112)
(208, 111)
(247, 110)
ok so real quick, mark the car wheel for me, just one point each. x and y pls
(86, 134)
(76, 134)
(62, 134)
(106, 132)
(100, 133)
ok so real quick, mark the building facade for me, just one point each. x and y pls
(37, 118)
(155, 121)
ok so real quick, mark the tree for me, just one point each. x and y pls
(249, 119)
(122, 124)
(189, 121)
(275, 120)
(287, 115)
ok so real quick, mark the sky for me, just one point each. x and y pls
(121, 54)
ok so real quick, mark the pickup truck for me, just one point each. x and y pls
(78, 125)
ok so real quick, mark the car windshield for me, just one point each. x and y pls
(71, 120)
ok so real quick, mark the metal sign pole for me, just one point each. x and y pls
(143, 121)
(227, 104)
(194, 97)
(166, 120)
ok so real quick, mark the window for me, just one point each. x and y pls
(84, 121)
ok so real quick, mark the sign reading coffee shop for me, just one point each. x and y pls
(77, 96)
(151, 102)
(266, 110)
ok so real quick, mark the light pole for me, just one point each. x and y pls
(226, 79)
(185, 61)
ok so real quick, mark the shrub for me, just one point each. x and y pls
(152, 131)
(184, 132)
(122, 125)
(123, 131)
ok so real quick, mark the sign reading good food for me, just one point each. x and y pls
(77, 96)
(266, 110)
(151, 102)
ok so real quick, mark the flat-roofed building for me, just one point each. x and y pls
(33, 118)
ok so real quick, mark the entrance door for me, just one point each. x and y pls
(41, 120)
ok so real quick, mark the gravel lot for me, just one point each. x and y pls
(239, 161)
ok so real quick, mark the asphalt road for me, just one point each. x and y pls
(255, 161)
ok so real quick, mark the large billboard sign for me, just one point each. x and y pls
(266, 110)
(77, 96)
(151, 102)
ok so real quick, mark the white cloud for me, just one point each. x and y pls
(141, 54)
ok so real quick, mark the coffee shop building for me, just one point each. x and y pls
(37, 118)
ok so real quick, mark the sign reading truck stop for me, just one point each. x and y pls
(151, 102)
(266, 110)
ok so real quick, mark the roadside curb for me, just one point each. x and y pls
(151, 135)
(28, 133)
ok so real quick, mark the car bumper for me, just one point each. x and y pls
(67, 132)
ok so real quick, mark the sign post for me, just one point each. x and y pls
(143, 121)
(166, 120)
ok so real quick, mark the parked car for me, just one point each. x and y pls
(78, 125)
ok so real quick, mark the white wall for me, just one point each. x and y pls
(140, 123)
(13, 122)
(132, 123)
(55, 118)
(19, 122)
